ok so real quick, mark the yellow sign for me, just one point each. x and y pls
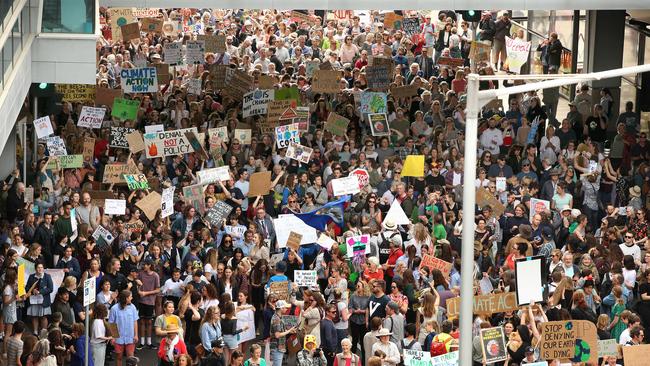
(21, 280)
(413, 166)
(77, 92)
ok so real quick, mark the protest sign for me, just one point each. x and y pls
(114, 207)
(453, 62)
(417, 358)
(134, 139)
(244, 135)
(256, 102)
(530, 270)
(194, 86)
(152, 25)
(173, 52)
(493, 343)
(119, 17)
(586, 343)
(43, 127)
(485, 304)
(246, 321)
(480, 52)
(150, 204)
(413, 166)
(392, 20)
(608, 347)
(162, 71)
(362, 176)
(168, 143)
(538, 206)
(357, 245)
(636, 355)
(373, 102)
(260, 183)
(431, 262)
(299, 152)
(106, 96)
(336, 124)
(103, 238)
(136, 181)
(345, 185)
(239, 83)
(71, 161)
(149, 129)
(378, 77)
(194, 52)
(220, 132)
(56, 146)
(194, 196)
(284, 135)
(305, 278)
(325, 241)
(29, 195)
(302, 118)
(280, 289)
(411, 26)
(290, 321)
(81, 93)
(448, 359)
(114, 173)
(146, 12)
(405, 91)
(265, 82)
(91, 117)
(310, 67)
(379, 124)
(196, 142)
(288, 93)
(501, 184)
(139, 80)
(293, 241)
(300, 17)
(170, 28)
(130, 31)
(98, 198)
(396, 214)
(326, 81)
(167, 202)
(518, 52)
(558, 340)
(285, 224)
(219, 174)
(118, 137)
(485, 198)
(125, 109)
(275, 109)
(218, 213)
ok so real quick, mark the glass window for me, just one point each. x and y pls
(628, 92)
(68, 16)
(7, 58)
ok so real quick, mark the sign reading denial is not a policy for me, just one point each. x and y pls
(168, 143)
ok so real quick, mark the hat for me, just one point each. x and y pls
(171, 328)
(525, 231)
(281, 304)
(132, 361)
(582, 148)
(384, 332)
(218, 343)
(393, 305)
(547, 233)
(530, 349)
(310, 338)
(635, 191)
(575, 213)
(389, 225)
(565, 208)
(443, 241)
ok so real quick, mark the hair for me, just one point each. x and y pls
(41, 350)
(429, 305)
(122, 298)
(603, 322)
(254, 347)
(209, 313)
(375, 323)
(635, 331)
(78, 328)
(19, 327)
(99, 311)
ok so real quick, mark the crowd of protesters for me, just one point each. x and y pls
(176, 284)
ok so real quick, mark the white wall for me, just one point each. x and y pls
(56, 59)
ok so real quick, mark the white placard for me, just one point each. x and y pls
(299, 152)
(102, 232)
(396, 214)
(139, 80)
(214, 175)
(56, 146)
(194, 51)
(194, 86)
(43, 127)
(529, 272)
(173, 53)
(593, 166)
(305, 278)
(607, 347)
(285, 224)
(448, 359)
(538, 206)
(114, 207)
(91, 117)
(154, 129)
(256, 102)
(518, 52)
(246, 318)
(345, 185)
(57, 279)
(167, 202)
(238, 231)
(501, 184)
(325, 241)
(90, 291)
(284, 135)
(413, 357)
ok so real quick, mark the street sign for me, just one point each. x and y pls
(90, 292)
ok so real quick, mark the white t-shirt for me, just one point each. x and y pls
(633, 250)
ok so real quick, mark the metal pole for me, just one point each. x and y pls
(24, 143)
(87, 335)
(469, 202)
(35, 138)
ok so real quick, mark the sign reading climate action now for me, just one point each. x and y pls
(140, 80)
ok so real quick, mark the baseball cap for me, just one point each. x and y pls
(218, 343)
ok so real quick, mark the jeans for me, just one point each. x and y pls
(276, 357)
(99, 353)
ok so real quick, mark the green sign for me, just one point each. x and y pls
(125, 109)
(136, 181)
(288, 94)
(66, 162)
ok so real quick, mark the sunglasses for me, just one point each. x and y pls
(629, 237)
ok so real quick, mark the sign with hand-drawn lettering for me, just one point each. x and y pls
(558, 340)
(378, 77)
(256, 102)
(486, 304)
(218, 213)
(168, 143)
(125, 109)
(91, 117)
(431, 262)
(326, 81)
(139, 80)
(118, 137)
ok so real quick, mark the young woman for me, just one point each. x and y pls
(39, 299)
(166, 318)
(99, 339)
(78, 349)
(229, 329)
(210, 327)
(9, 298)
(256, 356)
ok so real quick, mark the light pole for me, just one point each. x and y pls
(475, 101)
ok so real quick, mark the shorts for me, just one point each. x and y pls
(121, 348)
(146, 311)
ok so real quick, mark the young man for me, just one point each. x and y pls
(148, 291)
(215, 358)
(125, 315)
(328, 335)
(378, 300)
(394, 322)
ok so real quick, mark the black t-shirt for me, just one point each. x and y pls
(596, 132)
(377, 306)
(192, 336)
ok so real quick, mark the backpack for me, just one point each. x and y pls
(440, 346)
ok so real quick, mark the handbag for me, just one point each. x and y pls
(200, 351)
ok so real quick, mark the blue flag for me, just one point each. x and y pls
(332, 211)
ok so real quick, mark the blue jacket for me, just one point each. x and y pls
(72, 265)
(78, 357)
(45, 287)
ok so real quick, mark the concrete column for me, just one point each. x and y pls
(8, 156)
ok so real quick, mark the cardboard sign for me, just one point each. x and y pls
(146, 12)
(280, 289)
(299, 152)
(485, 304)
(260, 183)
(136, 181)
(43, 127)
(305, 278)
(302, 118)
(118, 137)
(81, 93)
(98, 198)
(152, 25)
(357, 245)
(405, 91)
(71, 161)
(275, 109)
(115, 207)
(162, 69)
(139, 80)
(114, 173)
(558, 340)
(239, 83)
(493, 343)
(135, 141)
(220, 132)
(432, 263)
(326, 81)
(392, 20)
(29, 195)
(256, 102)
(119, 17)
(91, 117)
(56, 146)
(416, 358)
(130, 31)
(196, 141)
(448, 359)
(150, 204)
(480, 52)
(345, 185)
(285, 224)
(373, 102)
(168, 143)
(167, 202)
(265, 82)
(219, 174)
(88, 149)
(284, 135)
(194, 52)
(194, 196)
(194, 86)
(586, 342)
(106, 96)
(379, 124)
(310, 67)
(336, 124)
(378, 77)
(293, 241)
(125, 109)
(244, 135)
(218, 213)
(173, 52)
(608, 347)
(518, 52)
(636, 355)
(301, 17)
(216, 43)
(485, 198)
(411, 26)
(170, 29)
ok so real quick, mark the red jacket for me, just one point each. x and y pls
(180, 348)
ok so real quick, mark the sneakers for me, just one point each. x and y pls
(139, 346)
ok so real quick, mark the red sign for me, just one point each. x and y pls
(362, 174)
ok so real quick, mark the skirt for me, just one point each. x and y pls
(38, 310)
(9, 314)
(232, 341)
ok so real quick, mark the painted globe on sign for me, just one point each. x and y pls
(583, 351)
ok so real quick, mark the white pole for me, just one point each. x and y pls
(87, 335)
(469, 202)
